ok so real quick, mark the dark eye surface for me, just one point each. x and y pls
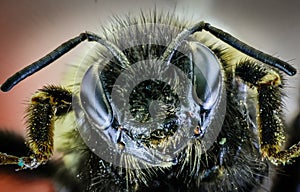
(207, 79)
(94, 100)
(208, 91)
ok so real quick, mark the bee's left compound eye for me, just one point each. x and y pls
(208, 91)
(206, 78)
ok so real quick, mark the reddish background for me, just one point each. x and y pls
(30, 29)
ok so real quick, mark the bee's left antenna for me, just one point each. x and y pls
(230, 40)
(57, 53)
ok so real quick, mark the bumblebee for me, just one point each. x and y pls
(160, 105)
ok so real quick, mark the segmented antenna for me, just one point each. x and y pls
(167, 55)
(57, 53)
(232, 41)
(250, 51)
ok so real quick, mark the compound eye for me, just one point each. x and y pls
(94, 100)
(206, 75)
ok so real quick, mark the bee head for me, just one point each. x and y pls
(149, 99)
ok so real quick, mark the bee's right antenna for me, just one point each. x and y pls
(57, 53)
(232, 41)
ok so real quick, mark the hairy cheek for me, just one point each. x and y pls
(14, 183)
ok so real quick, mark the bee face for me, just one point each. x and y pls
(147, 105)
(160, 104)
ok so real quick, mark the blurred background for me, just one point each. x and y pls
(30, 29)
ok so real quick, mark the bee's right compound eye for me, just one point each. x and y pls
(94, 100)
